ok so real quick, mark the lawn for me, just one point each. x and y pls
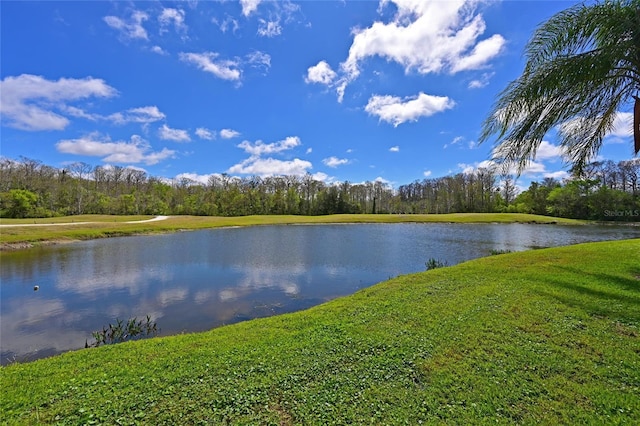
(547, 336)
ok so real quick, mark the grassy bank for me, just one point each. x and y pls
(548, 336)
(108, 226)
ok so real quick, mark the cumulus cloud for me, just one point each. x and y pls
(31, 102)
(559, 175)
(260, 148)
(176, 135)
(175, 17)
(204, 133)
(131, 29)
(394, 149)
(426, 173)
(249, 6)
(270, 167)
(472, 168)
(533, 168)
(396, 111)
(425, 36)
(335, 162)
(225, 69)
(201, 179)
(622, 125)
(321, 73)
(229, 134)
(159, 50)
(547, 151)
(258, 165)
(137, 150)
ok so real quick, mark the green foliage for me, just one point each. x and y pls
(18, 203)
(541, 337)
(122, 331)
(35, 190)
(495, 252)
(433, 263)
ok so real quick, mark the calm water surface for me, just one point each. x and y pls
(195, 281)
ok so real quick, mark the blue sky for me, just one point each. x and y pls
(394, 90)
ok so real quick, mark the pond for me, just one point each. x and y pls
(194, 281)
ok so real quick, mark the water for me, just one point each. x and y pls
(194, 281)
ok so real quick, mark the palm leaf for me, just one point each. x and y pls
(583, 66)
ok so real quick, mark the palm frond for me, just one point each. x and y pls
(582, 66)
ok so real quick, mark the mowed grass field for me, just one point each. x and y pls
(547, 336)
(99, 226)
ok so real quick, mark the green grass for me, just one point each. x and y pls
(108, 226)
(547, 336)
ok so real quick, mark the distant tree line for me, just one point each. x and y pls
(28, 188)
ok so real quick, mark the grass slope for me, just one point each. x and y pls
(548, 336)
(108, 226)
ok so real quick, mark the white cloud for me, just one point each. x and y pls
(172, 16)
(335, 162)
(320, 73)
(159, 50)
(395, 110)
(259, 59)
(481, 82)
(322, 177)
(270, 167)
(226, 24)
(29, 102)
(428, 36)
(202, 179)
(143, 115)
(481, 53)
(260, 148)
(309, 151)
(229, 134)
(135, 151)
(176, 135)
(257, 165)
(547, 151)
(472, 168)
(532, 168)
(204, 133)
(455, 141)
(394, 149)
(249, 6)
(426, 173)
(133, 28)
(225, 69)
(269, 28)
(560, 175)
(148, 114)
(622, 125)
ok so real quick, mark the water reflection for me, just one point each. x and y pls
(194, 281)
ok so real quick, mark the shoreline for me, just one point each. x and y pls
(26, 236)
